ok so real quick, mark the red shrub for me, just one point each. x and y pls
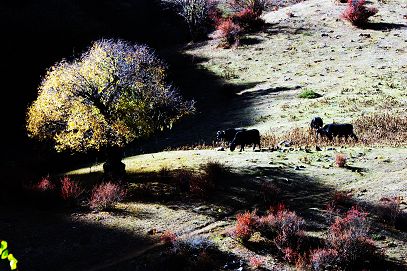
(229, 32)
(349, 237)
(245, 225)
(203, 183)
(248, 19)
(256, 262)
(290, 254)
(70, 190)
(106, 195)
(389, 208)
(340, 160)
(45, 185)
(322, 259)
(168, 237)
(357, 13)
(341, 197)
(285, 227)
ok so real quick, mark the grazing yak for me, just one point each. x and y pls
(228, 134)
(337, 130)
(246, 137)
(316, 123)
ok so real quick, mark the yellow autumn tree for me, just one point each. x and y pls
(113, 94)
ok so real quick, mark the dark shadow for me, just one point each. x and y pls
(273, 29)
(50, 241)
(249, 41)
(356, 169)
(384, 26)
(183, 256)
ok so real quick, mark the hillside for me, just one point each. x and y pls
(358, 72)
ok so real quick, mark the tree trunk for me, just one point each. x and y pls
(114, 167)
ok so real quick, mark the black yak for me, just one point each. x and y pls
(246, 137)
(337, 130)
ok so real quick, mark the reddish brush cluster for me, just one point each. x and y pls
(44, 185)
(284, 227)
(340, 160)
(245, 19)
(200, 184)
(168, 237)
(389, 208)
(357, 13)
(256, 262)
(106, 195)
(245, 225)
(229, 32)
(248, 19)
(348, 243)
(70, 190)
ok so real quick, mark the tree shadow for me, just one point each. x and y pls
(384, 26)
(49, 241)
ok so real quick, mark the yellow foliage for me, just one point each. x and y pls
(114, 93)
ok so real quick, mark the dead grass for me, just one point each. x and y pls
(373, 130)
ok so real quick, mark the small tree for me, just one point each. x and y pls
(195, 13)
(113, 94)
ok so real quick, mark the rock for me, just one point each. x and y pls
(317, 148)
(365, 35)
(220, 149)
(285, 143)
(330, 149)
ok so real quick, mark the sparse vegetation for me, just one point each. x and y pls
(309, 94)
(197, 14)
(340, 160)
(229, 33)
(70, 190)
(357, 13)
(104, 196)
(245, 226)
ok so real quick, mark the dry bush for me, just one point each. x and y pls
(257, 6)
(44, 185)
(382, 128)
(106, 195)
(284, 227)
(389, 208)
(197, 14)
(357, 13)
(248, 20)
(375, 129)
(229, 33)
(323, 259)
(256, 262)
(168, 237)
(201, 184)
(340, 160)
(349, 237)
(245, 226)
(70, 190)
